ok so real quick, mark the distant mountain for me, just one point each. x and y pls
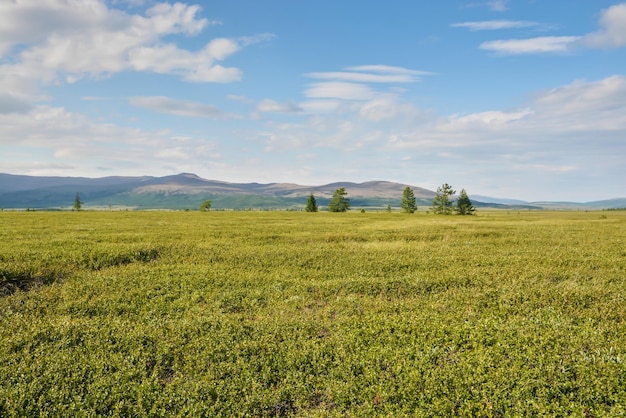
(187, 191)
(619, 203)
(500, 201)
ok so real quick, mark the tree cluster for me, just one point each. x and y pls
(443, 204)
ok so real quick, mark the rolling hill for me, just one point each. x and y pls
(187, 191)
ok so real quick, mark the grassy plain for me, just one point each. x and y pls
(298, 314)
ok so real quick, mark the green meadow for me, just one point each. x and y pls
(223, 314)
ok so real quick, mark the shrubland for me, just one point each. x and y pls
(312, 314)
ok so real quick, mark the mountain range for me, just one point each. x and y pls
(187, 191)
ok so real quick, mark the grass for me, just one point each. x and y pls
(297, 314)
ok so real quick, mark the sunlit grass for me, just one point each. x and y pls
(312, 314)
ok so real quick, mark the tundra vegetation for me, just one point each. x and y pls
(285, 314)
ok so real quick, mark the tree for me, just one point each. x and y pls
(205, 206)
(339, 201)
(78, 205)
(408, 201)
(441, 203)
(464, 204)
(311, 204)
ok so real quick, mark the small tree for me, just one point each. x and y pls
(464, 204)
(339, 201)
(311, 204)
(441, 203)
(408, 201)
(205, 206)
(78, 205)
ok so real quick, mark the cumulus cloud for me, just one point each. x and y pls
(563, 130)
(580, 110)
(64, 41)
(12, 104)
(612, 33)
(171, 106)
(75, 142)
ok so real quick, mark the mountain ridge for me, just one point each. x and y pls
(186, 190)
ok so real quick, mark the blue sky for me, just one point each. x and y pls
(521, 99)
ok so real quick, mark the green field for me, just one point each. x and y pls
(312, 314)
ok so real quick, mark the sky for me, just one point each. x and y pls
(521, 99)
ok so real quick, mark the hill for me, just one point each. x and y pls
(187, 191)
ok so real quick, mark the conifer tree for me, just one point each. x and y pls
(78, 205)
(311, 204)
(339, 201)
(464, 204)
(441, 203)
(408, 201)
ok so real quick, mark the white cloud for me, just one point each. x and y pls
(363, 77)
(387, 107)
(567, 130)
(612, 34)
(55, 41)
(176, 153)
(495, 25)
(598, 106)
(498, 5)
(12, 104)
(491, 119)
(240, 98)
(352, 84)
(179, 107)
(613, 29)
(541, 44)
(269, 105)
(493, 5)
(371, 74)
(388, 69)
(555, 118)
(320, 106)
(68, 141)
(339, 90)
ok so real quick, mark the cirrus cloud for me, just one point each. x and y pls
(612, 34)
(494, 25)
(171, 106)
(541, 44)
